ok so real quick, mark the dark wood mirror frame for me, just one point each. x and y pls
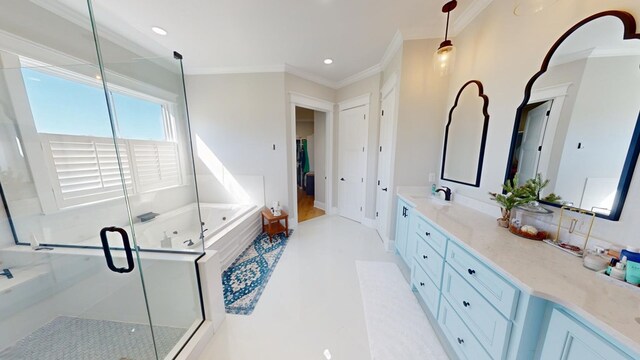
(485, 129)
(634, 148)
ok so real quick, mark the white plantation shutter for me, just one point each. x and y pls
(157, 165)
(86, 169)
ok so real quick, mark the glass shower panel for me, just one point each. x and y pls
(148, 106)
(63, 193)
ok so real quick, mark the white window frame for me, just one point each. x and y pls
(48, 188)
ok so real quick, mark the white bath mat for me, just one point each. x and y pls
(397, 327)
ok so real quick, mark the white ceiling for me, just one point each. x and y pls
(226, 36)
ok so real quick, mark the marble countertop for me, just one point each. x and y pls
(538, 268)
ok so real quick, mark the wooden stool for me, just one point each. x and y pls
(273, 225)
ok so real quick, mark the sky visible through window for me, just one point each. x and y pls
(62, 106)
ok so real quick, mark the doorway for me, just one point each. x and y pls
(310, 129)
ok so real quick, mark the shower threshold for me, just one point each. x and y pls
(76, 338)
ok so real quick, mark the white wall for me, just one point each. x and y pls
(504, 51)
(239, 118)
(304, 129)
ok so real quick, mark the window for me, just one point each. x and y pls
(74, 130)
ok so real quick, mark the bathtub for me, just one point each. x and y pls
(228, 229)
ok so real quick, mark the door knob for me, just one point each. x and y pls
(421, 284)
(384, 189)
(471, 271)
(425, 257)
(341, 179)
(466, 303)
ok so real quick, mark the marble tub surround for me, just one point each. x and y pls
(536, 268)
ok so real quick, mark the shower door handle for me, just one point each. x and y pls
(107, 250)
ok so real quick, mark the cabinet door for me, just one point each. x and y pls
(568, 339)
(402, 229)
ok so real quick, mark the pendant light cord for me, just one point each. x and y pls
(446, 31)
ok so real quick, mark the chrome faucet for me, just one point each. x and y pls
(446, 191)
(7, 273)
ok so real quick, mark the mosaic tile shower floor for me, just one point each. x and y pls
(75, 338)
(245, 280)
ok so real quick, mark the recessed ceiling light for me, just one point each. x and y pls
(159, 30)
(328, 61)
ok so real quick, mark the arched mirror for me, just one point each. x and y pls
(578, 125)
(466, 135)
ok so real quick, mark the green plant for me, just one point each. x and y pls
(534, 188)
(513, 195)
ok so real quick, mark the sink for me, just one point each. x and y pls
(432, 199)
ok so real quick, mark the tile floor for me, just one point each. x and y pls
(312, 302)
(76, 338)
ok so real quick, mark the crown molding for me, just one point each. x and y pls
(392, 49)
(593, 53)
(467, 16)
(289, 69)
(374, 70)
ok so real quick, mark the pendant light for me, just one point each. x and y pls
(445, 56)
(528, 7)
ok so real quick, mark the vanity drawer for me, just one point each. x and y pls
(492, 286)
(460, 337)
(433, 237)
(426, 289)
(486, 323)
(430, 261)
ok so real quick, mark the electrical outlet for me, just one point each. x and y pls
(432, 177)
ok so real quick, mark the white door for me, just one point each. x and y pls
(384, 185)
(532, 141)
(352, 162)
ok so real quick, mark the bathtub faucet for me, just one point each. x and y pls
(7, 273)
(188, 242)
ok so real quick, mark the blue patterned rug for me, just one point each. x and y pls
(247, 277)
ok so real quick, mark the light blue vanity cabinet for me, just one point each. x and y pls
(402, 229)
(480, 312)
(567, 338)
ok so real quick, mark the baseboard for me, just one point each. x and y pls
(318, 205)
(369, 222)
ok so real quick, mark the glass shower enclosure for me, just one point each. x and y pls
(100, 227)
